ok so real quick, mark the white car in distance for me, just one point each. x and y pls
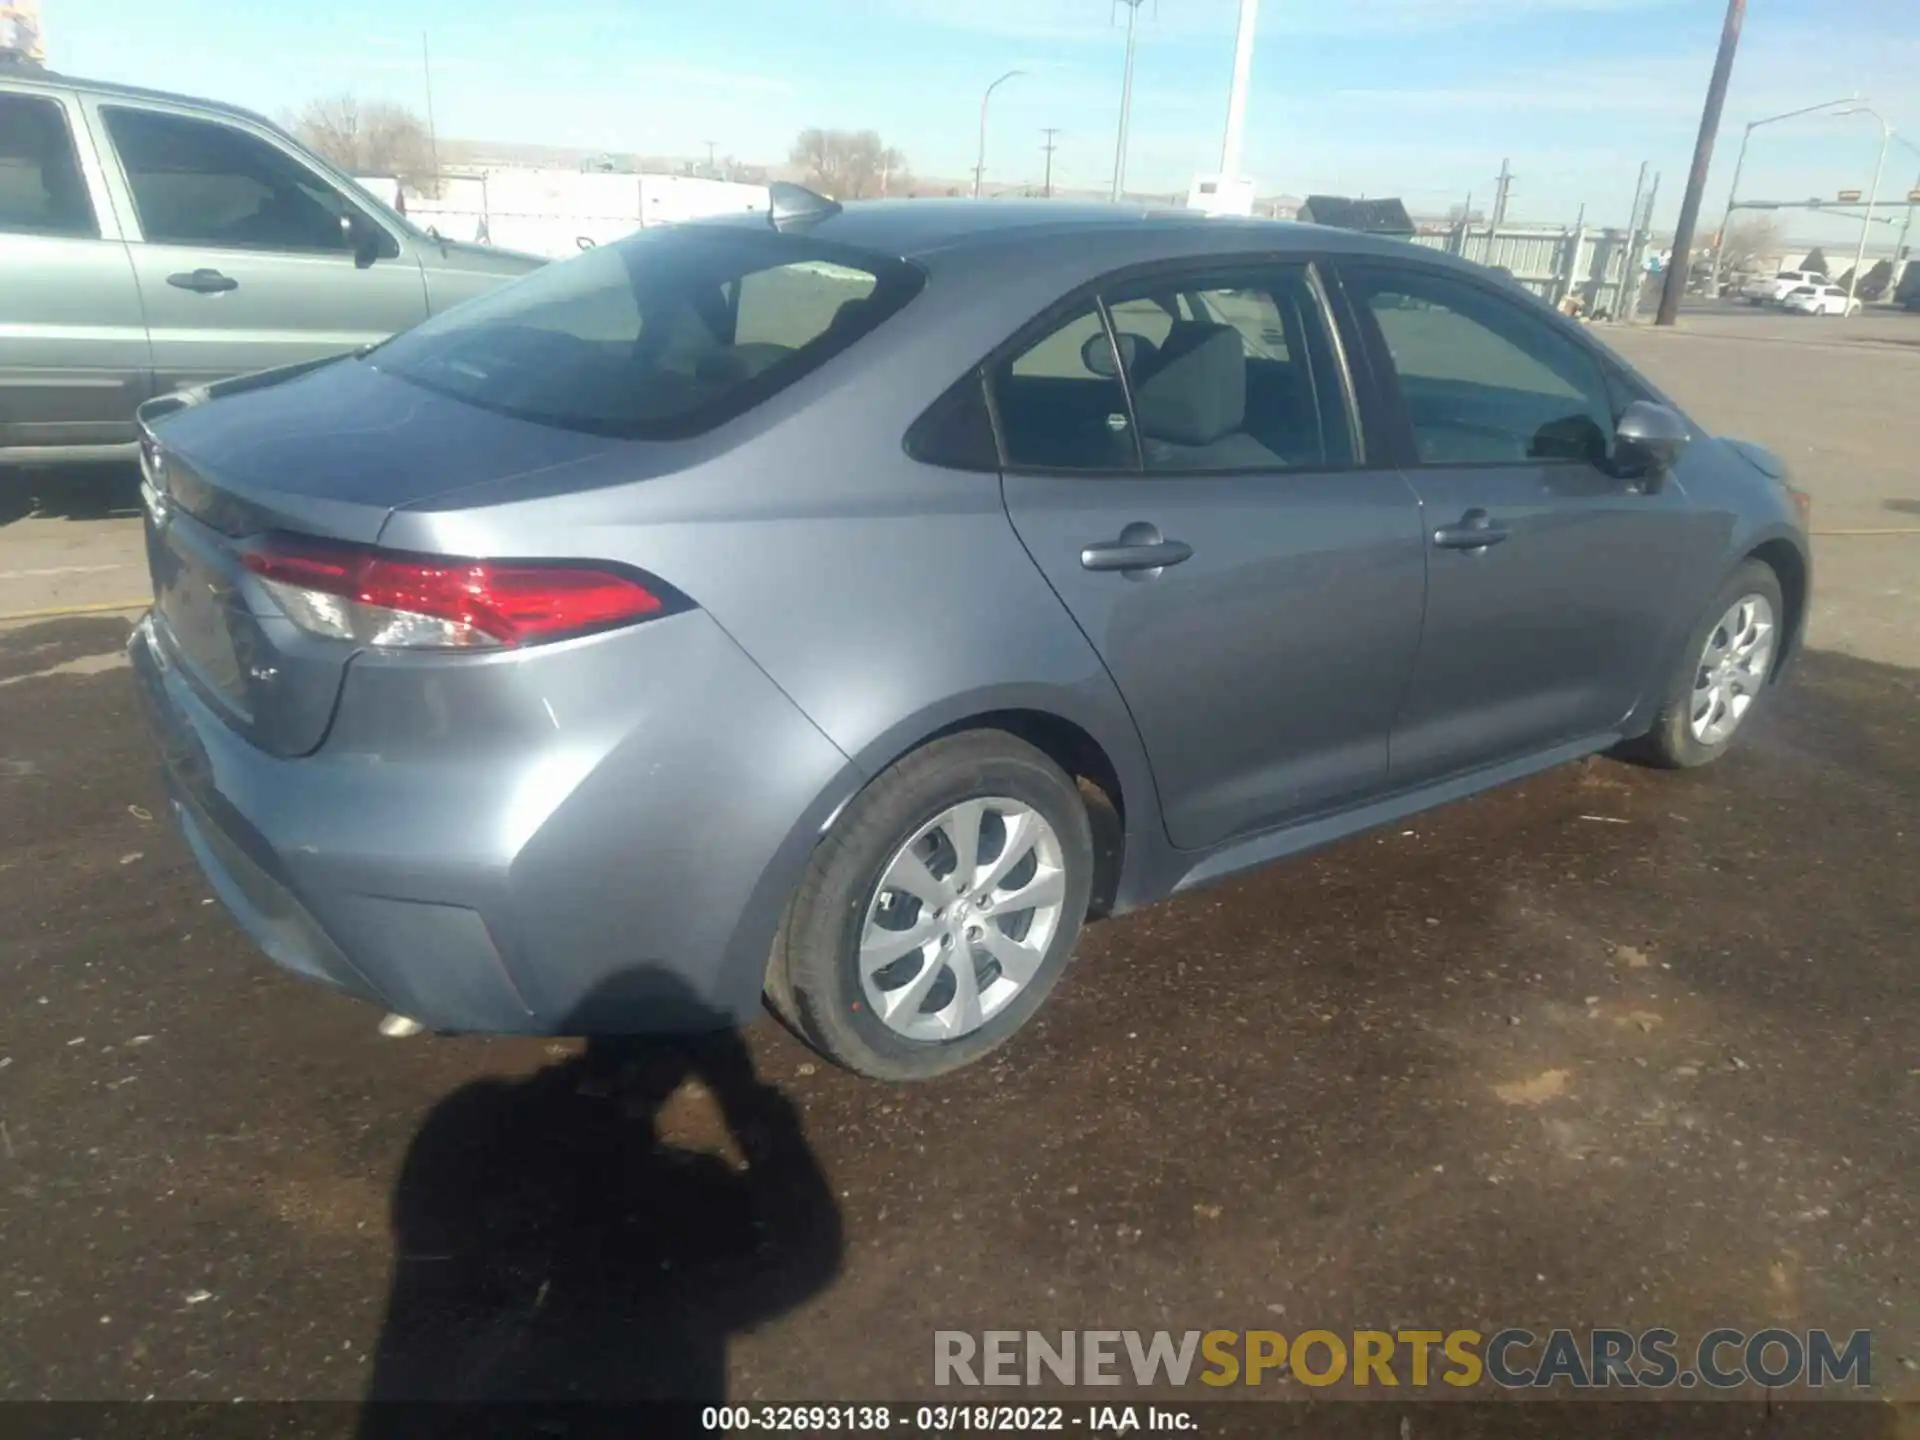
(1774, 291)
(1819, 300)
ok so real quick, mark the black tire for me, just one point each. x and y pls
(813, 980)
(1671, 743)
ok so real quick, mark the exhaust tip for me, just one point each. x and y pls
(399, 1027)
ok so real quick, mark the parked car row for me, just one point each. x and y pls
(152, 242)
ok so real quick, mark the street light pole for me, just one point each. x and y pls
(1873, 192)
(1739, 163)
(980, 165)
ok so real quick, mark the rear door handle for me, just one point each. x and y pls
(1140, 548)
(1475, 530)
(203, 282)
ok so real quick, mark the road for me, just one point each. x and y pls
(1611, 1047)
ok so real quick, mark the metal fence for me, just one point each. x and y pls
(1557, 261)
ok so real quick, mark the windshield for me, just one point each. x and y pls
(665, 334)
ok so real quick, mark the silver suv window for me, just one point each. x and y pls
(42, 191)
(668, 333)
(197, 182)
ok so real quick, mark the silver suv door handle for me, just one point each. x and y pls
(203, 282)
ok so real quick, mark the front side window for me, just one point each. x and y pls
(1233, 372)
(1484, 382)
(665, 334)
(41, 189)
(198, 182)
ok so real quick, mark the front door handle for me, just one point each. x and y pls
(1475, 530)
(1140, 550)
(203, 282)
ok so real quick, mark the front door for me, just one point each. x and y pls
(1253, 585)
(243, 259)
(1550, 575)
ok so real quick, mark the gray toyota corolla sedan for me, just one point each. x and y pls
(842, 608)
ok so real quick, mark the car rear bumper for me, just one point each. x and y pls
(619, 871)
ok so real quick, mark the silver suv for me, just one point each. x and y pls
(152, 242)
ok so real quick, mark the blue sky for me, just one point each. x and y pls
(1420, 98)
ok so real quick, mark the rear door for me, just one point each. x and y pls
(1550, 576)
(1251, 579)
(243, 259)
(73, 342)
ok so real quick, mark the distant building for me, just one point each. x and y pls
(1373, 217)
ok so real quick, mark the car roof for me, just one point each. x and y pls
(113, 89)
(913, 229)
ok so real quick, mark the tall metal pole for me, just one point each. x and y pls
(433, 134)
(980, 164)
(1126, 105)
(1676, 278)
(1230, 145)
(1866, 221)
(1733, 191)
(1633, 229)
(1049, 131)
(1644, 236)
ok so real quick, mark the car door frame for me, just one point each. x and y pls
(397, 246)
(1620, 383)
(1372, 453)
(132, 373)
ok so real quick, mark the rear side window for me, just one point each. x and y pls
(666, 334)
(41, 188)
(1237, 372)
(1061, 403)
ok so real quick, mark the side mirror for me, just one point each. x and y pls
(1650, 439)
(1097, 355)
(365, 239)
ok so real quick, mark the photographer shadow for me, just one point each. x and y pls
(553, 1250)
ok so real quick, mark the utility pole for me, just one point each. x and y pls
(1637, 242)
(1502, 189)
(1126, 104)
(1049, 131)
(1676, 278)
(433, 135)
(710, 149)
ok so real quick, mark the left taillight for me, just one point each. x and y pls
(438, 602)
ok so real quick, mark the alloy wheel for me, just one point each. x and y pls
(1733, 667)
(962, 918)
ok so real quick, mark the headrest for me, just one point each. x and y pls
(1196, 389)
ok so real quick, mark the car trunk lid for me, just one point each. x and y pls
(329, 452)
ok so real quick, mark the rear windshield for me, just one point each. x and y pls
(665, 334)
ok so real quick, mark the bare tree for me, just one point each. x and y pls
(1747, 240)
(849, 164)
(371, 137)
